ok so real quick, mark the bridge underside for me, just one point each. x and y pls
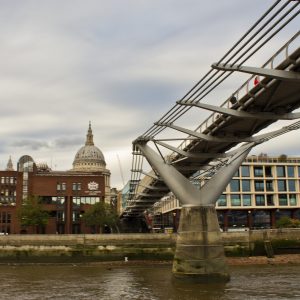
(271, 96)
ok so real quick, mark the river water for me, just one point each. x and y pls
(149, 282)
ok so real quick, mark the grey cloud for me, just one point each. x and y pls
(30, 144)
(65, 142)
(120, 64)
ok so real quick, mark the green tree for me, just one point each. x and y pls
(31, 213)
(100, 215)
(282, 158)
(286, 222)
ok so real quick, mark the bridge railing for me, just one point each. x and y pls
(244, 90)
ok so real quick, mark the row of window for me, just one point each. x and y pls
(85, 200)
(7, 192)
(244, 185)
(53, 200)
(76, 200)
(259, 218)
(62, 186)
(8, 200)
(8, 180)
(268, 171)
(259, 200)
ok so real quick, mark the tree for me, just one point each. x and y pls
(282, 158)
(100, 215)
(286, 222)
(31, 213)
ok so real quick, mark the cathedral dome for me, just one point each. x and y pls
(89, 157)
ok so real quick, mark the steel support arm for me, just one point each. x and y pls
(151, 175)
(181, 187)
(189, 154)
(214, 187)
(270, 135)
(241, 113)
(154, 188)
(205, 137)
(272, 73)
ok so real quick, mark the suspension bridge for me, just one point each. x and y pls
(196, 161)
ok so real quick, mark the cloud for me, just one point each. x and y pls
(30, 144)
(120, 64)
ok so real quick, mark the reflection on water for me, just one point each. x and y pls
(143, 282)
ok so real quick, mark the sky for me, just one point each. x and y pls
(120, 64)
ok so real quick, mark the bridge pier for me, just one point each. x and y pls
(199, 254)
(199, 251)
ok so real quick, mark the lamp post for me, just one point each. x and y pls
(249, 219)
(174, 222)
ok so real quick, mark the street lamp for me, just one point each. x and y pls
(174, 222)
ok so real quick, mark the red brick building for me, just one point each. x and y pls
(64, 194)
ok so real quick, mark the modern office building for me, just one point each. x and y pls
(64, 194)
(260, 193)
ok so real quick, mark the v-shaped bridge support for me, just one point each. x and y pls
(183, 189)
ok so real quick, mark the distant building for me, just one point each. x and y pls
(64, 194)
(262, 191)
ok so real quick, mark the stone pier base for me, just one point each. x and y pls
(199, 251)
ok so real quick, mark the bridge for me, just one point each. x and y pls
(196, 164)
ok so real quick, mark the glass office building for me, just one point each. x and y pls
(262, 191)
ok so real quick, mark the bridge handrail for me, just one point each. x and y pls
(237, 94)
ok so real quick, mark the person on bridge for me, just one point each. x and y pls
(256, 80)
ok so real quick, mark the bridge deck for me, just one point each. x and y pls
(270, 95)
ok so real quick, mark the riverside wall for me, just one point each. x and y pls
(120, 247)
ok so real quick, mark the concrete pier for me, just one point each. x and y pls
(199, 253)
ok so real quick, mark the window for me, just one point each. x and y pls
(258, 172)
(76, 216)
(269, 185)
(76, 200)
(280, 171)
(235, 200)
(292, 185)
(260, 200)
(60, 216)
(235, 185)
(281, 185)
(222, 200)
(270, 200)
(76, 186)
(245, 171)
(247, 200)
(268, 171)
(5, 217)
(290, 171)
(283, 199)
(58, 200)
(259, 185)
(293, 200)
(246, 185)
(61, 186)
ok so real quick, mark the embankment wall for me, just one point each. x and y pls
(109, 247)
